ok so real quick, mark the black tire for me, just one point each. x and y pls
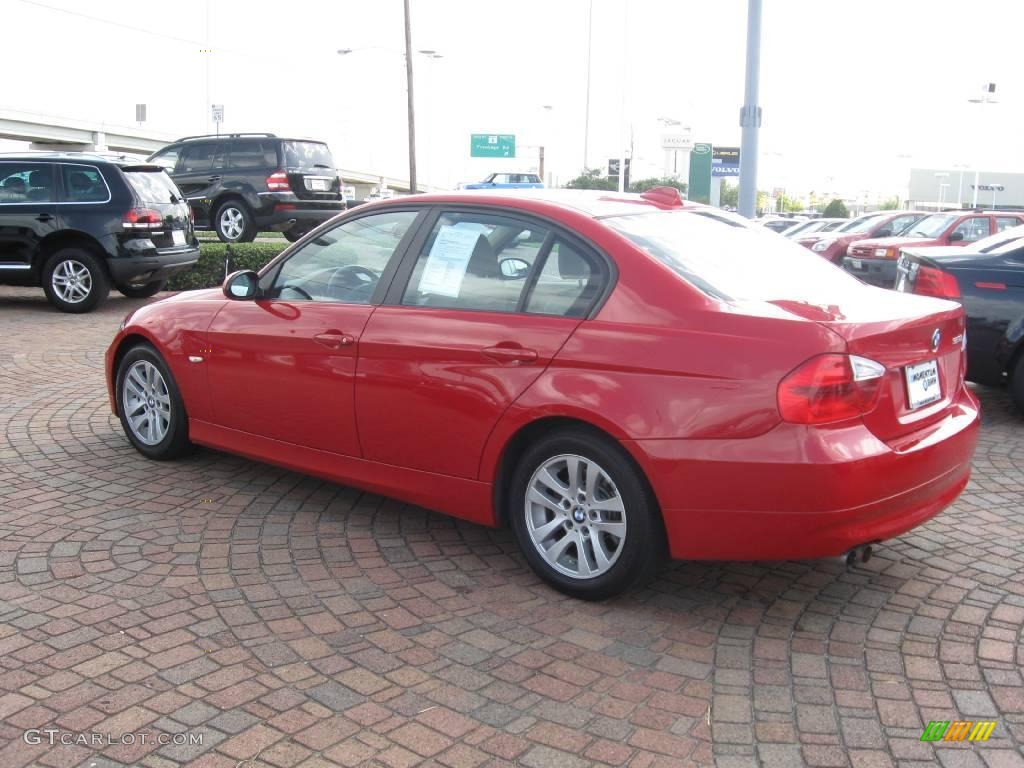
(1017, 383)
(174, 442)
(143, 291)
(294, 234)
(638, 553)
(240, 213)
(88, 273)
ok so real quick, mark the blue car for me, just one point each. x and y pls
(508, 181)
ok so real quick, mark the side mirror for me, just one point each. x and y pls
(241, 285)
(514, 269)
(956, 237)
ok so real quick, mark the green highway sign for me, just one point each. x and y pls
(492, 145)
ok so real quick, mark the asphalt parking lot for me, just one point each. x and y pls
(292, 622)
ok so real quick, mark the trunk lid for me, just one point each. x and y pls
(899, 330)
(311, 171)
(155, 190)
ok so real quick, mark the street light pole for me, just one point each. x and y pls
(988, 91)
(411, 102)
(750, 114)
(586, 118)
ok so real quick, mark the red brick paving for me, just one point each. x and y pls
(292, 622)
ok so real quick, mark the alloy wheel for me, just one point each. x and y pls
(146, 402)
(71, 281)
(232, 223)
(575, 516)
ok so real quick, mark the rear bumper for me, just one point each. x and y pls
(799, 492)
(880, 272)
(145, 266)
(277, 210)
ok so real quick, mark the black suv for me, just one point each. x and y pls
(74, 223)
(239, 184)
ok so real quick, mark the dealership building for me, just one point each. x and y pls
(938, 188)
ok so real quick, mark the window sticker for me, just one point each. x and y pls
(449, 258)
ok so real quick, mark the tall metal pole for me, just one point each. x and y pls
(622, 105)
(750, 114)
(412, 108)
(586, 119)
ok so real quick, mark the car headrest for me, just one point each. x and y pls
(39, 179)
(14, 184)
(483, 262)
(79, 180)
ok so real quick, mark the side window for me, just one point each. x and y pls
(344, 263)
(568, 283)
(83, 184)
(475, 261)
(973, 228)
(252, 154)
(167, 159)
(26, 183)
(1005, 222)
(200, 157)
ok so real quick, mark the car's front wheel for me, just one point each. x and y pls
(234, 222)
(583, 515)
(149, 405)
(142, 290)
(75, 280)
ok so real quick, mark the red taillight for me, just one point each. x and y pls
(935, 282)
(278, 182)
(142, 218)
(830, 388)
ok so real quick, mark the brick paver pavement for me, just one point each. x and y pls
(291, 622)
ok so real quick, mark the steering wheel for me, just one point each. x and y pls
(298, 290)
(352, 277)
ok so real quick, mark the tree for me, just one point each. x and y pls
(890, 204)
(836, 210)
(591, 179)
(643, 185)
(729, 197)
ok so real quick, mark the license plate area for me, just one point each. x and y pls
(318, 185)
(857, 264)
(177, 237)
(922, 384)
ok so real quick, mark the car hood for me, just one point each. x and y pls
(888, 242)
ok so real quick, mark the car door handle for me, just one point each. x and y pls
(44, 217)
(510, 354)
(334, 339)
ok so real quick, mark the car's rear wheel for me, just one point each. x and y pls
(142, 290)
(234, 222)
(1017, 383)
(583, 515)
(75, 280)
(149, 405)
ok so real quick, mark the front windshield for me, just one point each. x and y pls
(931, 226)
(732, 260)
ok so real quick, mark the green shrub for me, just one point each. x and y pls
(208, 272)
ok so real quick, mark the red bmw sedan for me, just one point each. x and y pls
(613, 376)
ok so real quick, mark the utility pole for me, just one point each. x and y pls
(750, 114)
(412, 108)
(586, 118)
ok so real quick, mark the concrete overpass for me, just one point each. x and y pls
(50, 132)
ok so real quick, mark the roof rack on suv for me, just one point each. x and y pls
(226, 136)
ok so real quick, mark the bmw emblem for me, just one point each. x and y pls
(936, 340)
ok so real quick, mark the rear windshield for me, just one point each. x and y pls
(307, 154)
(153, 186)
(730, 259)
(860, 225)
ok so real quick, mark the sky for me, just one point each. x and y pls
(853, 94)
